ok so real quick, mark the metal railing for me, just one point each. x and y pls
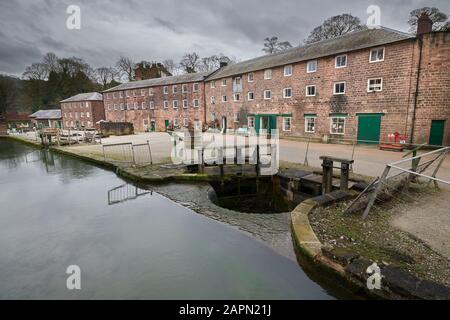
(128, 153)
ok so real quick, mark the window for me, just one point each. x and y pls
(87, 115)
(166, 104)
(150, 91)
(250, 96)
(250, 77)
(142, 92)
(82, 115)
(175, 104)
(151, 104)
(114, 95)
(128, 93)
(143, 105)
(310, 124)
(185, 122)
(224, 82)
(185, 104)
(337, 125)
(310, 91)
(184, 88)
(236, 117)
(237, 80)
(268, 74)
(213, 100)
(213, 84)
(120, 94)
(195, 102)
(166, 89)
(135, 93)
(174, 89)
(122, 106)
(376, 55)
(195, 87)
(287, 71)
(136, 106)
(236, 97)
(224, 98)
(267, 94)
(311, 66)
(287, 93)
(375, 84)
(128, 106)
(341, 61)
(339, 88)
(287, 123)
(175, 122)
(251, 122)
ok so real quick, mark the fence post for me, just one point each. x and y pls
(353, 154)
(444, 154)
(375, 192)
(132, 153)
(104, 154)
(305, 163)
(150, 152)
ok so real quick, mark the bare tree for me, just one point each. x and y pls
(126, 67)
(105, 75)
(172, 67)
(37, 71)
(438, 17)
(51, 62)
(190, 62)
(273, 45)
(334, 27)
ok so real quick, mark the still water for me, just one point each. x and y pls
(130, 243)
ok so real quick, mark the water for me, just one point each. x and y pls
(56, 211)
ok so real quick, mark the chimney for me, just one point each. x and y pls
(223, 64)
(424, 24)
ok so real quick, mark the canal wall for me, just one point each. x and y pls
(348, 268)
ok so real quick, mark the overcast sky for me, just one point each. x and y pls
(158, 30)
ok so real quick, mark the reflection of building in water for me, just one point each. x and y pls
(124, 193)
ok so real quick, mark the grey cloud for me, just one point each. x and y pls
(158, 30)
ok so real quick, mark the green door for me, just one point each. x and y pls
(152, 126)
(166, 123)
(437, 132)
(369, 128)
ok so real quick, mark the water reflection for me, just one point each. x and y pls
(125, 192)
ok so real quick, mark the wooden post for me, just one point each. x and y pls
(305, 163)
(345, 171)
(327, 176)
(375, 192)
(68, 136)
(150, 152)
(436, 185)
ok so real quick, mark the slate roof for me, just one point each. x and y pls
(47, 114)
(352, 41)
(184, 78)
(90, 96)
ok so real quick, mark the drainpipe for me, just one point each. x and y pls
(204, 101)
(416, 93)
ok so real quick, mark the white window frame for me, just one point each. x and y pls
(213, 84)
(223, 82)
(368, 84)
(195, 87)
(87, 115)
(195, 103)
(248, 96)
(308, 64)
(150, 91)
(175, 104)
(136, 106)
(151, 104)
(331, 124)
(185, 122)
(334, 88)
(166, 104)
(265, 96)
(289, 67)
(185, 104)
(143, 92)
(143, 105)
(251, 77)
(224, 98)
(306, 124)
(268, 74)
(213, 99)
(252, 121)
(310, 86)
(377, 49)
(336, 61)
(184, 88)
(284, 124)
(175, 122)
(165, 90)
(284, 93)
(235, 96)
(236, 117)
(174, 89)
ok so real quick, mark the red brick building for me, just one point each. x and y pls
(366, 85)
(358, 86)
(83, 110)
(149, 70)
(158, 104)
